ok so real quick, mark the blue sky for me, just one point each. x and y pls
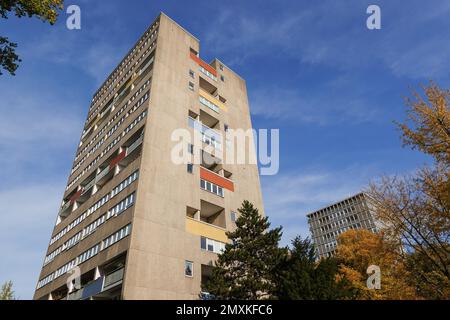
(313, 70)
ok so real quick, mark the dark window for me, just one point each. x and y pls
(203, 243)
(190, 167)
(188, 268)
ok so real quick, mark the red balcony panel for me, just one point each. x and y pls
(216, 179)
(76, 196)
(204, 64)
(117, 159)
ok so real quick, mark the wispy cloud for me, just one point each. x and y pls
(37, 130)
(35, 135)
(297, 105)
(289, 196)
(326, 34)
(36, 118)
(97, 58)
(24, 232)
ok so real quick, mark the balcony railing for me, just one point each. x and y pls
(75, 295)
(211, 101)
(86, 132)
(64, 207)
(135, 144)
(87, 187)
(204, 67)
(91, 289)
(209, 135)
(216, 179)
(113, 279)
(98, 286)
(207, 230)
(102, 174)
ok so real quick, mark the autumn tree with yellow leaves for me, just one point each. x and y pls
(359, 249)
(415, 209)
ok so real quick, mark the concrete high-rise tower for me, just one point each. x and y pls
(134, 223)
(328, 223)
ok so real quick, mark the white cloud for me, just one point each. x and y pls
(298, 105)
(413, 41)
(35, 118)
(85, 50)
(289, 196)
(24, 232)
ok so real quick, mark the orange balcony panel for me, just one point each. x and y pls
(216, 179)
(204, 64)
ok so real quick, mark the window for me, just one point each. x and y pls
(125, 183)
(221, 67)
(212, 245)
(207, 73)
(225, 127)
(208, 186)
(233, 216)
(192, 74)
(188, 268)
(191, 86)
(203, 243)
(222, 78)
(190, 168)
(191, 148)
(112, 239)
(121, 206)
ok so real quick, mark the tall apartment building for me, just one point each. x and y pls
(328, 223)
(135, 223)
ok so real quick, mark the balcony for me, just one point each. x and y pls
(113, 279)
(86, 133)
(208, 135)
(205, 68)
(210, 101)
(98, 288)
(106, 109)
(64, 211)
(135, 145)
(205, 229)
(103, 176)
(215, 178)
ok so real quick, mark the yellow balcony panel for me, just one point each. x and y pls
(215, 101)
(205, 230)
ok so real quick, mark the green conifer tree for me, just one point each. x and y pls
(245, 270)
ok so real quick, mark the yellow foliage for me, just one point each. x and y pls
(357, 250)
(430, 119)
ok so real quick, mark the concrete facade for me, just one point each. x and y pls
(172, 220)
(328, 223)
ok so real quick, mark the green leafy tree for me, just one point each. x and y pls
(6, 292)
(244, 271)
(301, 277)
(45, 10)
